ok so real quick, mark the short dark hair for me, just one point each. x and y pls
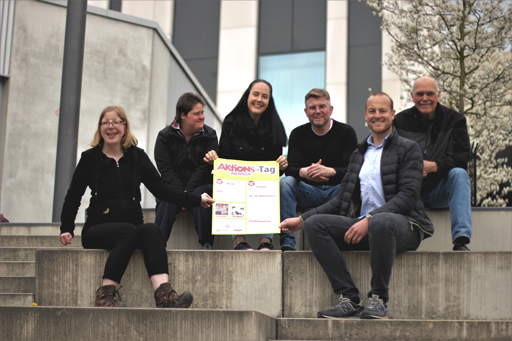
(185, 104)
(317, 93)
(379, 93)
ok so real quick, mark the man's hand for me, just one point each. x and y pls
(357, 232)
(317, 172)
(429, 167)
(65, 238)
(291, 224)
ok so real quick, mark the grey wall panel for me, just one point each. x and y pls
(309, 25)
(364, 63)
(275, 27)
(179, 83)
(125, 63)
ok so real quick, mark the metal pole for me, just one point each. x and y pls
(69, 114)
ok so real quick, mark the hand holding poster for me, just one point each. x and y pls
(246, 197)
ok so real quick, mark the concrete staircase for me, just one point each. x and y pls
(436, 294)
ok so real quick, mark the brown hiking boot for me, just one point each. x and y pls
(166, 297)
(106, 296)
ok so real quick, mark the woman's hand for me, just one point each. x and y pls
(65, 238)
(206, 200)
(210, 156)
(283, 162)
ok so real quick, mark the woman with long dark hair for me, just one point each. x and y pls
(113, 169)
(253, 131)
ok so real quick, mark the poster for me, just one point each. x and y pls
(246, 195)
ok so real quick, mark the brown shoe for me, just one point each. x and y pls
(106, 296)
(166, 297)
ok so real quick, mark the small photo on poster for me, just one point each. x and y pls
(221, 210)
(237, 210)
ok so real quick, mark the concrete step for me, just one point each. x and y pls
(18, 253)
(45, 323)
(491, 230)
(37, 241)
(424, 285)
(17, 284)
(495, 236)
(65, 323)
(17, 268)
(234, 280)
(16, 300)
(34, 229)
(357, 329)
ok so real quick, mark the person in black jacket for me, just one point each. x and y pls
(253, 131)
(443, 137)
(114, 169)
(377, 209)
(318, 157)
(179, 153)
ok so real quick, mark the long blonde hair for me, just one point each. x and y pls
(128, 139)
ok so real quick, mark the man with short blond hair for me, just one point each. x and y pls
(318, 156)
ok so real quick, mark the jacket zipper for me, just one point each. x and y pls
(121, 187)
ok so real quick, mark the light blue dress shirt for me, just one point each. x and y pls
(372, 192)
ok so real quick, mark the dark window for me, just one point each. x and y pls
(115, 5)
(196, 37)
(364, 62)
(288, 26)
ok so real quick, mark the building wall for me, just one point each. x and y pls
(125, 63)
(354, 47)
(237, 51)
(128, 62)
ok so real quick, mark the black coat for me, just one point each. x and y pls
(446, 142)
(180, 163)
(241, 145)
(115, 188)
(401, 172)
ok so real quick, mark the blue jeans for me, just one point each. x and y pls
(388, 234)
(453, 192)
(295, 193)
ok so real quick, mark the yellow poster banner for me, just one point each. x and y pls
(246, 195)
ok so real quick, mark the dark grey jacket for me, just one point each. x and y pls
(446, 142)
(180, 163)
(401, 171)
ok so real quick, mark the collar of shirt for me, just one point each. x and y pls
(372, 192)
(175, 125)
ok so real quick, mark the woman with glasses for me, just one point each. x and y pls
(253, 131)
(113, 169)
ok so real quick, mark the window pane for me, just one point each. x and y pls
(292, 76)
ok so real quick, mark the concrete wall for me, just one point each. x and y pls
(424, 285)
(236, 280)
(127, 62)
(50, 324)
